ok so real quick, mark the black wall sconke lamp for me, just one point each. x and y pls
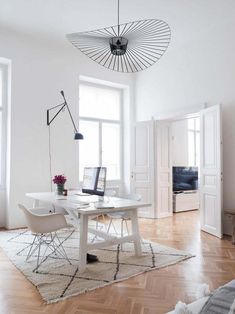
(77, 135)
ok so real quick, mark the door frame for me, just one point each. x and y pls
(183, 116)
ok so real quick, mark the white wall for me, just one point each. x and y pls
(198, 67)
(40, 69)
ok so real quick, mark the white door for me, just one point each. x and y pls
(142, 167)
(211, 171)
(163, 164)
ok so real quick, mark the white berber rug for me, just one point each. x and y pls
(56, 279)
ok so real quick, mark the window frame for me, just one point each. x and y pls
(195, 132)
(100, 122)
(3, 110)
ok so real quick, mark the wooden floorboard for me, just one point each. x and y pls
(151, 293)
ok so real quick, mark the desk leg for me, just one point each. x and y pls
(83, 242)
(135, 232)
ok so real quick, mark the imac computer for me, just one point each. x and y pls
(94, 180)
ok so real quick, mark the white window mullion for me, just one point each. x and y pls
(100, 145)
(193, 132)
(3, 122)
(121, 140)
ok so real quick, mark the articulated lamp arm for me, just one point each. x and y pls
(77, 135)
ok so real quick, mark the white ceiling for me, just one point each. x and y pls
(55, 18)
(59, 17)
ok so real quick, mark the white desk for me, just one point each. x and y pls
(119, 204)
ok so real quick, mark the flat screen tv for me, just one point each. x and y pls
(185, 179)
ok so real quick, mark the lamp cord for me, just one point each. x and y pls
(50, 170)
(49, 143)
(118, 20)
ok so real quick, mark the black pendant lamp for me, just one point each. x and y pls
(127, 48)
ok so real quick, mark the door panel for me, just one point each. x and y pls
(142, 168)
(211, 171)
(164, 169)
(142, 135)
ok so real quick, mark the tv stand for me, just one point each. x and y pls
(185, 200)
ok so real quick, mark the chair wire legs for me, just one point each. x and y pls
(111, 223)
(49, 244)
(98, 226)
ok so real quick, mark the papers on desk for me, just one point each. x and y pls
(60, 198)
(102, 205)
(80, 204)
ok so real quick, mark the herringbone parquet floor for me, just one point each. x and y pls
(150, 293)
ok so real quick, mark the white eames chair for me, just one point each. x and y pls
(108, 195)
(124, 216)
(44, 227)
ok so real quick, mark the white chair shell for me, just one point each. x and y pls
(44, 228)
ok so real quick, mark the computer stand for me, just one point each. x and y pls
(101, 198)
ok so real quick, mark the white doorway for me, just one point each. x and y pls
(186, 163)
(203, 136)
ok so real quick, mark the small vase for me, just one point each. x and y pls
(59, 189)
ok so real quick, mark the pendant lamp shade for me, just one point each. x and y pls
(127, 48)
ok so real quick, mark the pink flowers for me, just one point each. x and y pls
(59, 179)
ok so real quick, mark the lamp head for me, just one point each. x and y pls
(118, 45)
(78, 136)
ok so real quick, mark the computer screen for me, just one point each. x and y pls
(94, 180)
(89, 178)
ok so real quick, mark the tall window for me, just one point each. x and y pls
(1, 109)
(2, 124)
(194, 142)
(100, 120)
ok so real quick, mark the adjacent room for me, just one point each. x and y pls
(186, 163)
(117, 156)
